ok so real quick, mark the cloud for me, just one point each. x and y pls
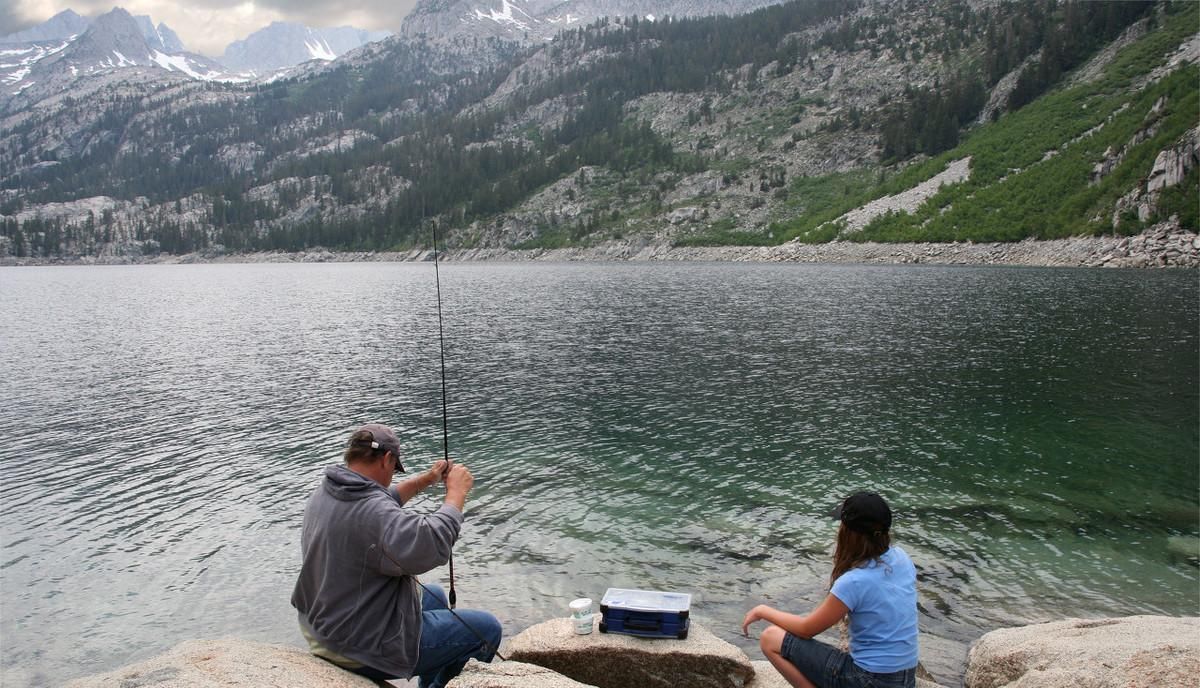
(207, 26)
(13, 20)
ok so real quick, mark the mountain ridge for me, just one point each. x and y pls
(285, 44)
(672, 132)
(62, 25)
(266, 53)
(533, 21)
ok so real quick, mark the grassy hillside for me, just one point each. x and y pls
(1031, 169)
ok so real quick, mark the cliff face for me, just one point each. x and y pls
(537, 21)
(283, 45)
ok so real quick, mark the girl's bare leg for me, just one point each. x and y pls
(771, 642)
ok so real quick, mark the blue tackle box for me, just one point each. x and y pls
(645, 613)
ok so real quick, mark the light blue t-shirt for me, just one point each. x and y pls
(882, 599)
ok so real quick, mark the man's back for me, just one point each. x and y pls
(356, 594)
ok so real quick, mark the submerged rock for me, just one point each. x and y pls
(1187, 546)
(1129, 652)
(608, 660)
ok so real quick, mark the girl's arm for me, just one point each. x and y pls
(825, 615)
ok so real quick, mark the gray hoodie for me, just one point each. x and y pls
(352, 598)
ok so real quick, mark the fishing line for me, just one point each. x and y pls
(494, 650)
(445, 423)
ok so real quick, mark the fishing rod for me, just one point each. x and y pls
(445, 422)
(487, 643)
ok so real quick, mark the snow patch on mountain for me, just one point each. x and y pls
(122, 61)
(565, 19)
(55, 57)
(282, 45)
(181, 63)
(319, 50)
(18, 62)
(505, 15)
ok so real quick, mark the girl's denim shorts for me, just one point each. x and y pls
(829, 667)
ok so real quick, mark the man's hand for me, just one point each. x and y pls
(458, 483)
(439, 469)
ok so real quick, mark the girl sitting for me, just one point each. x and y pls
(872, 581)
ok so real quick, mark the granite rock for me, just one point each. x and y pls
(1128, 652)
(765, 676)
(228, 662)
(609, 660)
(510, 675)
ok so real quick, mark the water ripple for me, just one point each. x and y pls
(673, 426)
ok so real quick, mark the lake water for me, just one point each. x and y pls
(663, 426)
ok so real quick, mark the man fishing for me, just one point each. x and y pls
(360, 604)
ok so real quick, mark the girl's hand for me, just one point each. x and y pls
(753, 615)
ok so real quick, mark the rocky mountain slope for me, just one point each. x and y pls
(284, 44)
(109, 44)
(804, 122)
(62, 25)
(540, 20)
(71, 53)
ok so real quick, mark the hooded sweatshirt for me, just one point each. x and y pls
(356, 593)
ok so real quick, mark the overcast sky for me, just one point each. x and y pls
(207, 26)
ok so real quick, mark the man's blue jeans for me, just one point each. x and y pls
(446, 644)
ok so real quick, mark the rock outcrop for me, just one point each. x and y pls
(228, 662)
(1173, 164)
(765, 676)
(521, 675)
(511, 675)
(1129, 652)
(607, 660)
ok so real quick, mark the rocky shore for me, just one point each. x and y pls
(1136, 651)
(1163, 245)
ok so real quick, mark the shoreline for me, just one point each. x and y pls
(1106, 651)
(1161, 246)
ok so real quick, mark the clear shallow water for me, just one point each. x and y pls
(633, 425)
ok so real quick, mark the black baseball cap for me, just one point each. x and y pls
(864, 512)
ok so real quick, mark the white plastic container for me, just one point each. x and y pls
(581, 615)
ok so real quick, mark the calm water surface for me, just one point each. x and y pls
(633, 425)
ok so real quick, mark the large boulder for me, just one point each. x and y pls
(765, 676)
(510, 674)
(1130, 652)
(228, 662)
(608, 660)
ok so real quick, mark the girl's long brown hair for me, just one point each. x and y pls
(855, 548)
